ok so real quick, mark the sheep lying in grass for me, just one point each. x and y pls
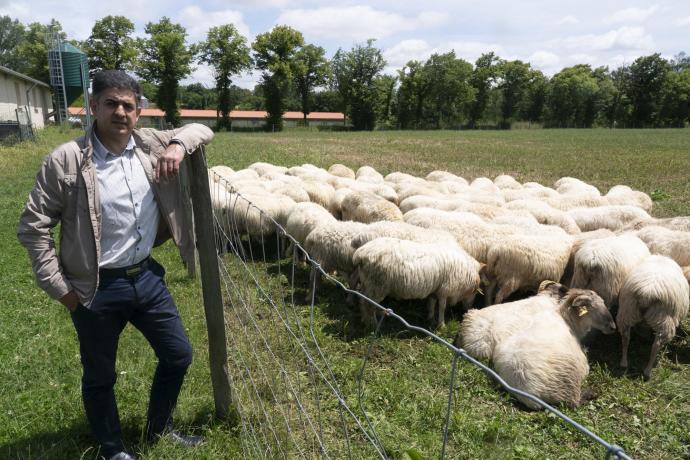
(657, 292)
(534, 343)
(666, 242)
(603, 264)
(390, 267)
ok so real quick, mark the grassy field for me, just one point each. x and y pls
(40, 408)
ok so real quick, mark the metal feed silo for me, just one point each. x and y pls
(69, 73)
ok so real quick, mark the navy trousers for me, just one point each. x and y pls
(144, 301)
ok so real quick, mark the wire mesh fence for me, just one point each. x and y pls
(299, 392)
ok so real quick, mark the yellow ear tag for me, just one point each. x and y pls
(582, 312)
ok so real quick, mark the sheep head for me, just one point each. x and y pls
(583, 310)
(552, 289)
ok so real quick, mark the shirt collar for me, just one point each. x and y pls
(101, 152)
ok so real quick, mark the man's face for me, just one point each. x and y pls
(116, 112)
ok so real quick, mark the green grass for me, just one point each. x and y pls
(407, 377)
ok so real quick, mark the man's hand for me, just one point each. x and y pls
(169, 163)
(70, 300)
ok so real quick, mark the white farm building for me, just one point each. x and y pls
(22, 99)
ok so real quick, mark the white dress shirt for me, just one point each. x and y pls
(129, 213)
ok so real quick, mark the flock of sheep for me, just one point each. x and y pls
(578, 253)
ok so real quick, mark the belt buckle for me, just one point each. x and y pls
(133, 271)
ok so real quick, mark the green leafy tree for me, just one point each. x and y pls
(197, 96)
(327, 100)
(385, 92)
(274, 55)
(532, 108)
(675, 109)
(165, 60)
(354, 74)
(110, 45)
(572, 97)
(680, 62)
(226, 51)
(310, 71)
(411, 95)
(447, 88)
(645, 87)
(34, 52)
(11, 35)
(514, 86)
(483, 78)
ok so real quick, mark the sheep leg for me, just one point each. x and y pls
(367, 313)
(352, 281)
(442, 312)
(503, 293)
(625, 343)
(314, 284)
(659, 341)
(431, 306)
(489, 293)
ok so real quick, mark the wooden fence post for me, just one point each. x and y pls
(210, 281)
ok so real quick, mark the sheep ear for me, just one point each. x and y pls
(545, 285)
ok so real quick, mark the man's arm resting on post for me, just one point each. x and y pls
(180, 141)
(41, 214)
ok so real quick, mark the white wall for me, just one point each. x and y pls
(13, 93)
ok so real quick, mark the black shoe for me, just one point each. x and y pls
(177, 438)
(188, 440)
(122, 456)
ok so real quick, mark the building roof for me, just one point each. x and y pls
(236, 114)
(9, 71)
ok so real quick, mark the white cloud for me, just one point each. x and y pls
(629, 15)
(471, 50)
(544, 59)
(197, 21)
(567, 20)
(407, 50)
(682, 21)
(622, 38)
(357, 23)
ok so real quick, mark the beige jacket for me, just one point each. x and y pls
(66, 192)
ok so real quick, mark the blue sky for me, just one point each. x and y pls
(550, 34)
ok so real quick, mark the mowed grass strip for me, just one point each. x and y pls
(406, 383)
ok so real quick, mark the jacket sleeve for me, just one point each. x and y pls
(35, 231)
(190, 136)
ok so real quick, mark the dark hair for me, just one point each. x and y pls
(119, 79)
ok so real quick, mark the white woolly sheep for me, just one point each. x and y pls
(403, 231)
(666, 242)
(681, 223)
(445, 176)
(369, 174)
(296, 192)
(567, 202)
(523, 261)
(265, 168)
(535, 343)
(304, 218)
(657, 292)
(545, 214)
(485, 185)
(390, 267)
(611, 217)
(254, 213)
(529, 193)
(398, 177)
(321, 193)
(603, 264)
(573, 186)
(330, 245)
(341, 170)
(221, 171)
(366, 207)
(505, 181)
(578, 241)
(624, 195)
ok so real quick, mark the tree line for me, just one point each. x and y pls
(443, 92)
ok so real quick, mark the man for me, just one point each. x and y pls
(115, 194)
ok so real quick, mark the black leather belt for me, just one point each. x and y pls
(125, 272)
